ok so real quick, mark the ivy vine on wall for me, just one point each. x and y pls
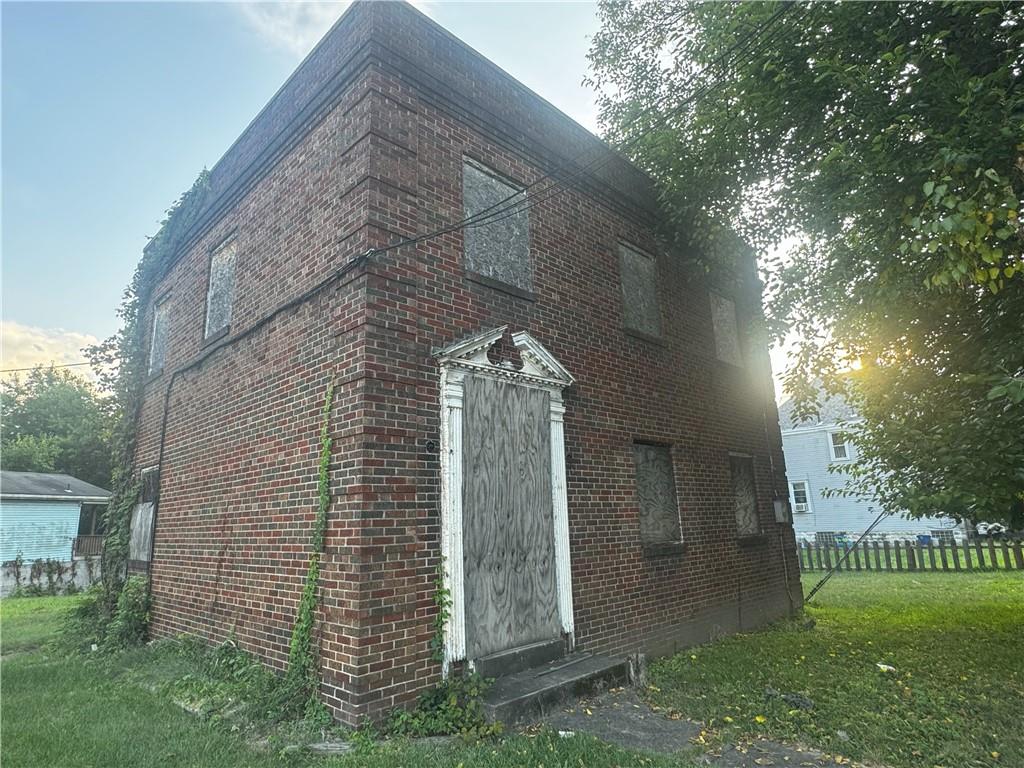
(121, 365)
(303, 676)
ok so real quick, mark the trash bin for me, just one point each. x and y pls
(924, 539)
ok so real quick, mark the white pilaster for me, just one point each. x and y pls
(451, 514)
(560, 510)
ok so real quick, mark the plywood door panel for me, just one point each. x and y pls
(508, 532)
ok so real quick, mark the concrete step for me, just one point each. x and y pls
(531, 693)
(520, 659)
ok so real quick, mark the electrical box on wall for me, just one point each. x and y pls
(782, 511)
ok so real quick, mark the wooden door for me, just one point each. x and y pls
(508, 531)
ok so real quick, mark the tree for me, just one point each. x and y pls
(887, 141)
(31, 453)
(55, 421)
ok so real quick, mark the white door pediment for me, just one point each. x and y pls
(539, 365)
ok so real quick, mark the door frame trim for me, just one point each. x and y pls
(540, 370)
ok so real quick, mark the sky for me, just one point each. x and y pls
(110, 110)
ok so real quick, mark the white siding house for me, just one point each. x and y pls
(40, 514)
(811, 448)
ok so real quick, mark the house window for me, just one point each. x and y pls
(744, 495)
(498, 248)
(723, 321)
(656, 493)
(639, 291)
(140, 540)
(840, 449)
(220, 297)
(801, 496)
(158, 340)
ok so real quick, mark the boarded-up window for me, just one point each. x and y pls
(221, 294)
(744, 495)
(656, 492)
(498, 245)
(158, 341)
(727, 339)
(639, 291)
(141, 532)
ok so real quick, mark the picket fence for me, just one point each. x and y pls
(913, 556)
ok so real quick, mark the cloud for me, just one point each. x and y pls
(296, 25)
(25, 346)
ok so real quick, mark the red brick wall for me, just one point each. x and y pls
(238, 484)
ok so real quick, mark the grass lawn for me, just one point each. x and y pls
(68, 712)
(29, 622)
(956, 698)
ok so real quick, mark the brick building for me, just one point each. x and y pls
(565, 411)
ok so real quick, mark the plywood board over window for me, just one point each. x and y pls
(500, 248)
(639, 274)
(140, 540)
(220, 296)
(158, 341)
(744, 495)
(656, 493)
(727, 338)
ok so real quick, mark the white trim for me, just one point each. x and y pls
(451, 513)
(560, 508)
(37, 497)
(807, 494)
(832, 447)
(540, 369)
(829, 427)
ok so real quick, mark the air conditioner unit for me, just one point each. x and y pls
(800, 508)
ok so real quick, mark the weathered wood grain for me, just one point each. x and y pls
(508, 531)
(656, 493)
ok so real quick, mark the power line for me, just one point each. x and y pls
(42, 365)
(747, 45)
(499, 211)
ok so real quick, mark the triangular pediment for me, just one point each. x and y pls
(538, 363)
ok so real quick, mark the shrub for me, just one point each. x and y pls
(453, 707)
(86, 623)
(131, 619)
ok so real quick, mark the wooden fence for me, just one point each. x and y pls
(913, 556)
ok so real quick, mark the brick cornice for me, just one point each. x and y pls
(372, 35)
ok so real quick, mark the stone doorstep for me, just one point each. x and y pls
(520, 659)
(531, 693)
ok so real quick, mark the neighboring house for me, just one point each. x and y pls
(50, 530)
(816, 452)
(43, 514)
(562, 416)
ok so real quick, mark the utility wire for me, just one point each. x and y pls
(511, 206)
(490, 214)
(42, 365)
(845, 557)
(495, 213)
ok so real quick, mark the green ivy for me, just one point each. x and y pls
(453, 707)
(443, 601)
(121, 363)
(303, 676)
(130, 621)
